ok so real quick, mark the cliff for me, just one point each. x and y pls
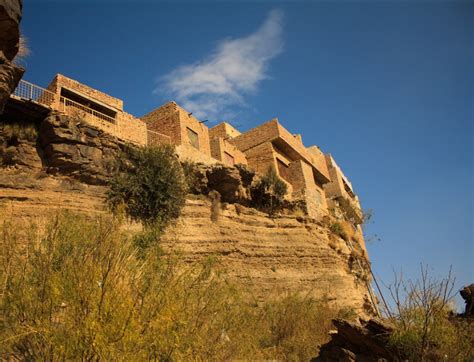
(55, 161)
(10, 73)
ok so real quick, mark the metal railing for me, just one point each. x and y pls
(32, 92)
(154, 138)
(74, 108)
(29, 91)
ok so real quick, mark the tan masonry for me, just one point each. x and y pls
(311, 175)
(340, 187)
(190, 135)
(100, 109)
(222, 148)
(304, 169)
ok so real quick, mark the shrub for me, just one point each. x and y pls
(424, 328)
(149, 182)
(269, 192)
(292, 328)
(78, 289)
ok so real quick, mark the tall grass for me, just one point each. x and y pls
(80, 288)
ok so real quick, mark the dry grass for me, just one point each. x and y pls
(77, 288)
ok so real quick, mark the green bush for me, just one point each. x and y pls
(269, 192)
(149, 183)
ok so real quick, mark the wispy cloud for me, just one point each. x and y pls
(213, 87)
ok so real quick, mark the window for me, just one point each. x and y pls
(283, 170)
(228, 159)
(193, 138)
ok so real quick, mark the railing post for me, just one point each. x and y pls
(31, 92)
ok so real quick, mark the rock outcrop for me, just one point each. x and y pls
(467, 293)
(367, 341)
(270, 255)
(10, 73)
(74, 148)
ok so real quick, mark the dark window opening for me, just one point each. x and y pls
(318, 179)
(66, 93)
(348, 189)
(284, 171)
(193, 138)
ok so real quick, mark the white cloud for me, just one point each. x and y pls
(212, 87)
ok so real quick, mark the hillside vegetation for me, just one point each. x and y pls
(77, 288)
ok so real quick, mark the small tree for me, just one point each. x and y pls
(148, 182)
(421, 315)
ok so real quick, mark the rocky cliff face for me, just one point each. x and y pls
(10, 73)
(272, 255)
(61, 162)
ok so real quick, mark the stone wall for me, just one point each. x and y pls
(221, 149)
(319, 160)
(63, 81)
(188, 121)
(304, 186)
(155, 138)
(131, 129)
(262, 157)
(125, 126)
(223, 130)
(165, 120)
(336, 188)
(173, 121)
(189, 153)
(286, 142)
(256, 136)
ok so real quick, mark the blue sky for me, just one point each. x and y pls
(386, 88)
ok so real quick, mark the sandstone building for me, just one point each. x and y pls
(311, 176)
(304, 170)
(222, 148)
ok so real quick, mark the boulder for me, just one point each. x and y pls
(74, 148)
(467, 293)
(227, 181)
(364, 341)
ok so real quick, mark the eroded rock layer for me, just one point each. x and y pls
(282, 254)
